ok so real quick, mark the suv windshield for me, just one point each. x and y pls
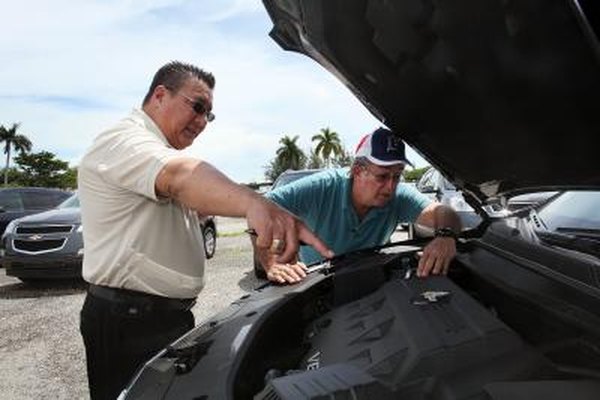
(572, 222)
(575, 210)
(71, 202)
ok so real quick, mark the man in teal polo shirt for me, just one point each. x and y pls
(360, 207)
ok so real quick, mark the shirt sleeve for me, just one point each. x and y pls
(133, 162)
(410, 202)
(297, 197)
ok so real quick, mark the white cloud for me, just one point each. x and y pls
(78, 66)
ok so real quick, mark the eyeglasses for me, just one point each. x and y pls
(385, 177)
(199, 106)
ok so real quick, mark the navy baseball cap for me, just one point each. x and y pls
(382, 147)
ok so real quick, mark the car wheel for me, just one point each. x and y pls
(210, 240)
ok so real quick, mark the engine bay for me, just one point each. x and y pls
(373, 329)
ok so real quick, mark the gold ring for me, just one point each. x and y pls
(277, 246)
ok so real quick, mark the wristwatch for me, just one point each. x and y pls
(445, 232)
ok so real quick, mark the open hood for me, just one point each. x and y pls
(500, 96)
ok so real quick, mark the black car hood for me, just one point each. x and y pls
(58, 215)
(500, 96)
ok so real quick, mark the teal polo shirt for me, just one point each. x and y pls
(323, 202)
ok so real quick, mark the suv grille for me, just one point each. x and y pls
(38, 246)
(44, 229)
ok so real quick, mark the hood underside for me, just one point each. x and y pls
(501, 96)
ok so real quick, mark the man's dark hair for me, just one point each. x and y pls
(174, 74)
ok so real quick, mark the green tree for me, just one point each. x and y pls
(274, 169)
(415, 174)
(315, 161)
(42, 169)
(289, 154)
(344, 159)
(68, 180)
(328, 144)
(14, 176)
(13, 140)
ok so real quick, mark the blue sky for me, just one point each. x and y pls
(74, 67)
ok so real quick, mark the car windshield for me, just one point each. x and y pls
(572, 210)
(571, 222)
(71, 202)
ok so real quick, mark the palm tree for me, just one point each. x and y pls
(289, 154)
(328, 143)
(314, 161)
(13, 140)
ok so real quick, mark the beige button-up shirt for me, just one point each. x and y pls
(132, 239)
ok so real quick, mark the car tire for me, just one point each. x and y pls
(210, 241)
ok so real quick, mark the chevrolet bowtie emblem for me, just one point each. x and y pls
(35, 237)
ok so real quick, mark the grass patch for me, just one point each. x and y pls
(230, 234)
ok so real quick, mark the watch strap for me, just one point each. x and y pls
(445, 232)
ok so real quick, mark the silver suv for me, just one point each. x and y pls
(437, 187)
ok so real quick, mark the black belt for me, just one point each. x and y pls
(145, 300)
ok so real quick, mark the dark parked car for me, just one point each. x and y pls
(500, 96)
(49, 245)
(286, 177)
(18, 202)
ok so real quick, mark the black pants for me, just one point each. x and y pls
(119, 338)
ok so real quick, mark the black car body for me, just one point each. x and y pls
(437, 187)
(502, 97)
(22, 201)
(529, 200)
(49, 245)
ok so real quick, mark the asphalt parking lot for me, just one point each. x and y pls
(41, 352)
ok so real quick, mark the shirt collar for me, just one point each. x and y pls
(144, 119)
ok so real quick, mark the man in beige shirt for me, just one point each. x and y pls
(140, 197)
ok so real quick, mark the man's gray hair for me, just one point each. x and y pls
(361, 161)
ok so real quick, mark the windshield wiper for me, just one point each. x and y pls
(574, 240)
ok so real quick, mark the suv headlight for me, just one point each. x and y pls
(10, 228)
(79, 228)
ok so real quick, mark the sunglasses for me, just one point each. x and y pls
(199, 106)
